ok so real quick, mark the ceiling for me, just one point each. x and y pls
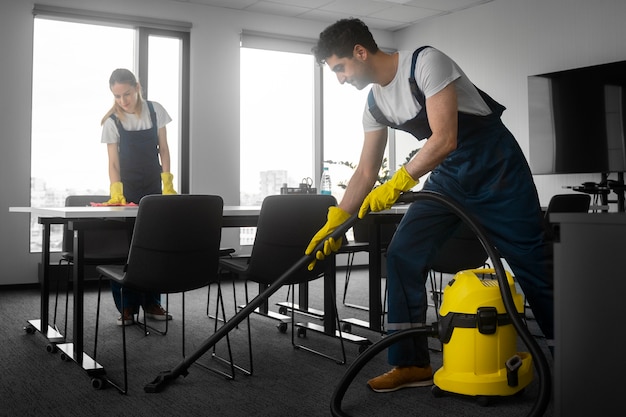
(388, 15)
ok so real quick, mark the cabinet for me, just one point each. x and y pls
(589, 294)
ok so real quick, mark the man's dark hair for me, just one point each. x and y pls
(341, 37)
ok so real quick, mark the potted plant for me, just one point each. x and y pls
(360, 230)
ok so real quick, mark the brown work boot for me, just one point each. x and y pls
(402, 377)
(156, 312)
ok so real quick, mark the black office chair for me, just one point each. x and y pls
(286, 225)
(175, 248)
(102, 246)
(463, 250)
(565, 203)
(559, 203)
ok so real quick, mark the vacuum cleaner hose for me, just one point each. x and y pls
(540, 361)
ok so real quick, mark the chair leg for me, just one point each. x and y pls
(124, 356)
(347, 278)
(122, 389)
(95, 340)
(240, 368)
(56, 298)
(435, 291)
(384, 309)
(340, 361)
(147, 327)
(230, 362)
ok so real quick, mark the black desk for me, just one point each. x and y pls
(589, 288)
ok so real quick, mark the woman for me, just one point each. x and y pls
(139, 164)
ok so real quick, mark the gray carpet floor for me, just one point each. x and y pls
(286, 381)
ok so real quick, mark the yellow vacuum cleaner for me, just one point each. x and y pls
(479, 337)
(480, 356)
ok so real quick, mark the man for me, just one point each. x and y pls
(472, 158)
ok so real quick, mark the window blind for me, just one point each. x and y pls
(276, 42)
(80, 15)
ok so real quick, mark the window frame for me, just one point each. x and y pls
(144, 28)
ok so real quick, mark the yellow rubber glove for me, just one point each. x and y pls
(168, 187)
(385, 195)
(117, 194)
(336, 217)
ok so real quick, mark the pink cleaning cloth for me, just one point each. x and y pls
(112, 205)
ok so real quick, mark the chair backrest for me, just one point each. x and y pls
(565, 203)
(101, 245)
(176, 243)
(569, 203)
(463, 250)
(286, 225)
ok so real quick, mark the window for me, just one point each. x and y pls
(276, 122)
(72, 63)
(279, 128)
(343, 128)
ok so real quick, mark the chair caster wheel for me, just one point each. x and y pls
(64, 357)
(282, 310)
(98, 383)
(301, 332)
(346, 327)
(51, 348)
(363, 347)
(30, 329)
(282, 327)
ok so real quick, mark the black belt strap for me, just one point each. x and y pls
(486, 320)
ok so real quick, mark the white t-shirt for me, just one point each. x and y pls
(433, 72)
(133, 123)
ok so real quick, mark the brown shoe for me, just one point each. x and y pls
(126, 318)
(156, 312)
(402, 377)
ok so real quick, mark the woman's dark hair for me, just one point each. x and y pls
(341, 37)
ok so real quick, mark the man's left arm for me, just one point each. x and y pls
(442, 110)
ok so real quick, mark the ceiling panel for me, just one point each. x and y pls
(388, 15)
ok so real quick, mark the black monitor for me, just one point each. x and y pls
(577, 119)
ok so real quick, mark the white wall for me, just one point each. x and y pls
(499, 44)
(214, 131)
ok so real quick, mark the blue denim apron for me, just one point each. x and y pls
(489, 176)
(140, 172)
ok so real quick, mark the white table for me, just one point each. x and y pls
(80, 219)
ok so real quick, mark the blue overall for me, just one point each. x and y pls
(488, 175)
(140, 172)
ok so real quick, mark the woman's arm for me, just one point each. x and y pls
(114, 163)
(164, 149)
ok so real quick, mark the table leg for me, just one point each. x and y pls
(330, 285)
(75, 349)
(42, 324)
